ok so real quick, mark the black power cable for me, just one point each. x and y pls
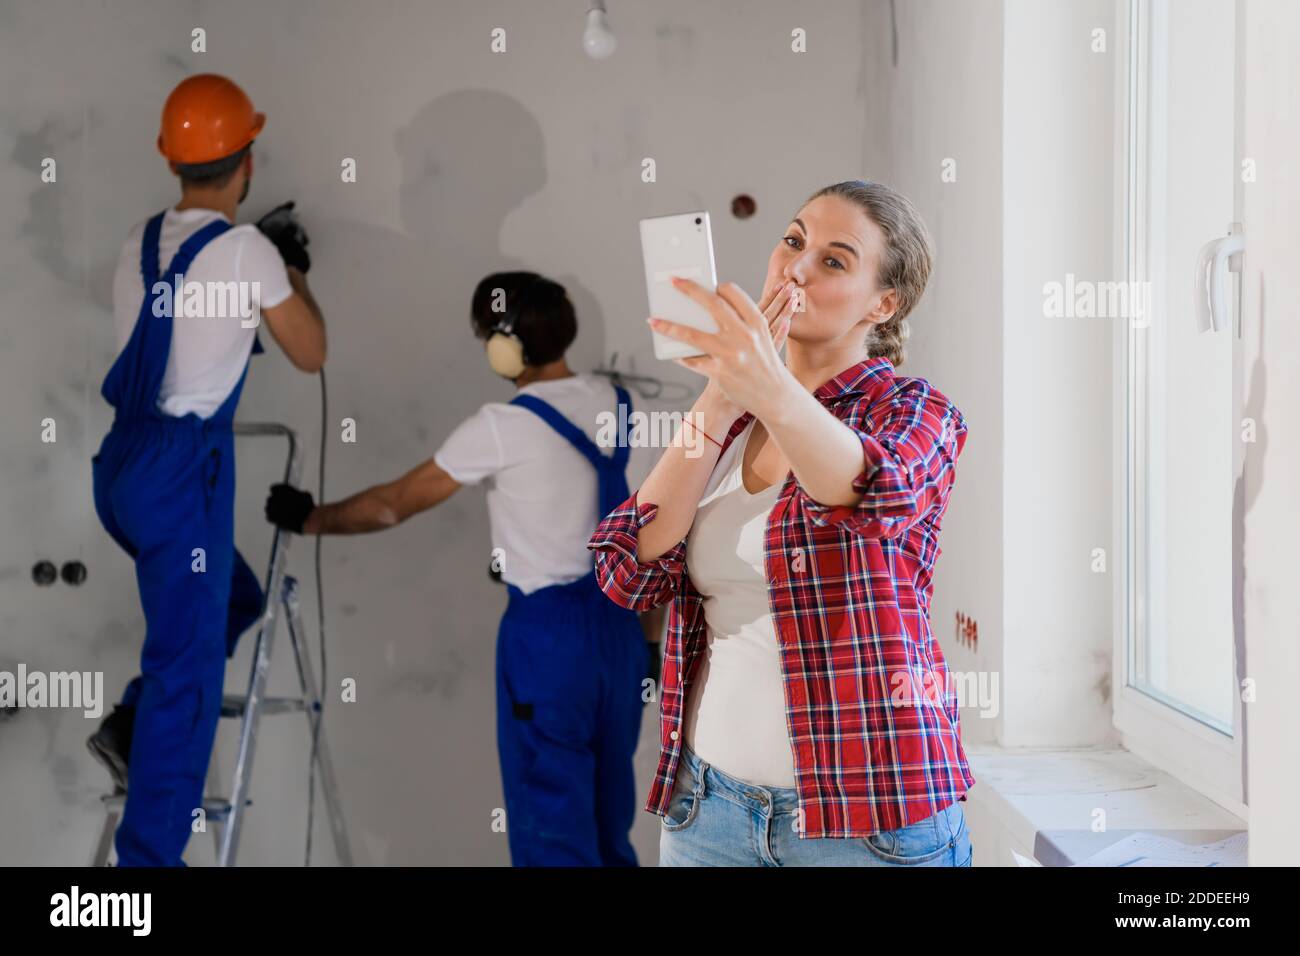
(319, 704)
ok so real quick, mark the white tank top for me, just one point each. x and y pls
(735, 717)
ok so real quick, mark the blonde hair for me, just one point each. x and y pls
(905, 265)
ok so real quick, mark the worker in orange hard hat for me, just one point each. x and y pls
(206, 118)
(164, 476)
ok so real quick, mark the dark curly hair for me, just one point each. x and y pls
(542, 314)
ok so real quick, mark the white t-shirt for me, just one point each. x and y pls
(541, 492)
(735, 718)
(208, 353)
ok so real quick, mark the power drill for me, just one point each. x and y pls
(282, 227)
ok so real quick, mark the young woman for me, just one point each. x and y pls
(807, 714)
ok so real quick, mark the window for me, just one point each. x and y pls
(1177, 701)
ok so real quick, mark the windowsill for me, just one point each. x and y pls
(1047, 800)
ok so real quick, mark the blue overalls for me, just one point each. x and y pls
(570, 663)
(165, 491)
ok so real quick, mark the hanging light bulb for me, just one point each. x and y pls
(598, 39)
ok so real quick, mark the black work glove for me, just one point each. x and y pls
(288, 508)
(282, 227)
(654, 648)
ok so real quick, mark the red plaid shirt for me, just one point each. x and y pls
(871, 709)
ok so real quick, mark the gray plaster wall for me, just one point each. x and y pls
(467, 162)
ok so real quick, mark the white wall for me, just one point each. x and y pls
(1266, 496)
(1009, 92)
(1058, 162)
(946, 104)
(468, 162)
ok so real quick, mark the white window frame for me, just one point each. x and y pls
(1199, 755)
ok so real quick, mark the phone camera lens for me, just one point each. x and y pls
(698, 220)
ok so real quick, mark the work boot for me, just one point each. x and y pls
(111, 743)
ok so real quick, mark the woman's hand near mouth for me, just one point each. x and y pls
(743, 358)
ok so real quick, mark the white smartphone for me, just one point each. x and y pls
(678, 245)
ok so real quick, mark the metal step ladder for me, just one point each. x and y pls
(226, 814)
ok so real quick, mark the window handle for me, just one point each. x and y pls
(1210, 292)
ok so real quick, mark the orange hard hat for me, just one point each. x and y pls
(206, 118)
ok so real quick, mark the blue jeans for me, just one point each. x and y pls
(716, 820)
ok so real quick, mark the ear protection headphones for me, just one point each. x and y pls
(505, 350)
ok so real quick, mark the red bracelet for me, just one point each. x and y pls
(703, 432)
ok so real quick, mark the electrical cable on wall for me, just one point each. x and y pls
(893, 31)
(320, 623)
